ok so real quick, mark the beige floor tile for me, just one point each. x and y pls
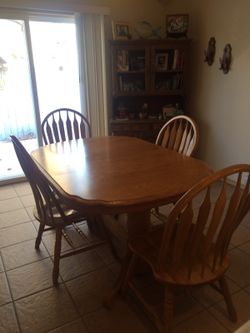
(29, 210)
(14, 217)
(89, 290)
(247, 289)
(120, 318)
(1, 265)
(239, 269)
(241, 301)
(23, 253)
(74, 327)
(16, 234)
(75, 237)
(8, 322)
(115, 267)
(45, 311)
(31, 278)
(203, 322)
(5, 292)
(105, 253)
(79, 264)
(246, 248)
(10, 205)
(241, 236)
(22, 188)
(207, 296)
(48, 240)
(185, 307)
(7, 192)
(28, 200)
(246, 220)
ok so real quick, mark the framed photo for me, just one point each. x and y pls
(177, 25)
(161, 61)
(121, 30)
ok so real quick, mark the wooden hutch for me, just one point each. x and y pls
(147, 76)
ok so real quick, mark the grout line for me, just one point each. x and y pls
(11, 295)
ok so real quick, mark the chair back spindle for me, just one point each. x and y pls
(64, 124)
(179, 134)
(200, 236)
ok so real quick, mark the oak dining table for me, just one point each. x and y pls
(113, 174)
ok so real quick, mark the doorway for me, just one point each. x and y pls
(38, 73)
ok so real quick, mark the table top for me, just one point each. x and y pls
(118, 174)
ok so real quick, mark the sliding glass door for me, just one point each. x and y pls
(56, 65)
(16, 97)
(38, 73)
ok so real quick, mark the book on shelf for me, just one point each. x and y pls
(130, 86)
(137, 62)
(175, 60)
(122, 60)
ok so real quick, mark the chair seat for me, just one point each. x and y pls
(70, 215)
(148, 249)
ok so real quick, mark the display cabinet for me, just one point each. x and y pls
(148, 85)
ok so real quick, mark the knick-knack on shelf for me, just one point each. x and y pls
(210, 52)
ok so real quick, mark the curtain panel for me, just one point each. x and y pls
(92, 61)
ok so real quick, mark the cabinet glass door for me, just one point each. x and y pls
(130, 67)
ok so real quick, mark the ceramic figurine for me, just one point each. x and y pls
(210, 52)
(226, 59)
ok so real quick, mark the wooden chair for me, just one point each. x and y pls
(52, 212)
(192, 248)
(64, 124)
(180, 134)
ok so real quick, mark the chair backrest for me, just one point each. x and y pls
(47, 198)
(202, 222)
(180, 134)
(64, 124)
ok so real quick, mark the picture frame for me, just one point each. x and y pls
(121, 30)
(161, 61)
(177, 25)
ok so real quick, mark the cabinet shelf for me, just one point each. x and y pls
(130, 72)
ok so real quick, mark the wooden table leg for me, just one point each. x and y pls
(138, 223)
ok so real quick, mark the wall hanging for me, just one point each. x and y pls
(210, 52)
(225, 61)
(177, 25)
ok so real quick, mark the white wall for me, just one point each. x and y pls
(219, 102)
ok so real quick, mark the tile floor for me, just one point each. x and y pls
(29, 302)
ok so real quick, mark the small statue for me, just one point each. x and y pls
(144, 112)
(210, 52)
(226, 59)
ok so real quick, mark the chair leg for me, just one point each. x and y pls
(128, 271)
(57, 253)
(39, 236)
(168, 309)
(228, 299)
